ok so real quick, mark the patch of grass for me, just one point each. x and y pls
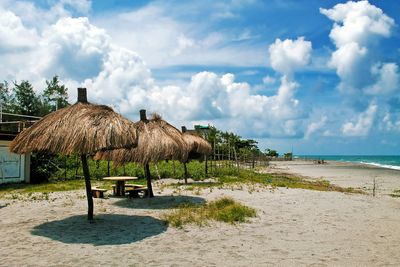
(44, 188)
(396, 193)
(224, 209)
(275, 180)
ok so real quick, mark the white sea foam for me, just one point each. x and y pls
(393, 167)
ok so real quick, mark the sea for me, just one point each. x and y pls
(390, 162)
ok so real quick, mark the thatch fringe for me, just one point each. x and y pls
(158, 140)
(82, 128)
(198, 146)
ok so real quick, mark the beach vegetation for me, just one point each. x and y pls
(395, 193)
(224, 209)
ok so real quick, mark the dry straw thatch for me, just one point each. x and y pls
(81, 128)
(198, 146)
(158, 140)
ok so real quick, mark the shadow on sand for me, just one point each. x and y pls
(159, 202)
(108, 229)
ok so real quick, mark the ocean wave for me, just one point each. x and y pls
(393, 167)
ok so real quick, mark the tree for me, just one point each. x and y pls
(25, 101)
(55, 95)
(5, 97)
(288, 156)
(271, 153)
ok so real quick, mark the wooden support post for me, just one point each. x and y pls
(148, 177)
(88, 185)
(205, 166)
(185, 172)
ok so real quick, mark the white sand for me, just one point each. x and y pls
(294, 228)
(344, 174)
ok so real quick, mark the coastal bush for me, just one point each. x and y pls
(224, 209)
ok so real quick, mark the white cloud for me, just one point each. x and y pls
(357, 22)
(288, 55)
(388, 79)
(363, 124)
(14, 35)
(315, 127)
(85, 55)
(158, 33)
(269, 80)
(388, 124)
(358, 27)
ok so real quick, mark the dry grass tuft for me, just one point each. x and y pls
(224, 209)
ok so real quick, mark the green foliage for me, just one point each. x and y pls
(17, 189)
(55, 95)
(395, 193)
(43, 165)
(224, 209)
(5, 97)
(271, 153)
(288, 156)
(25, 101)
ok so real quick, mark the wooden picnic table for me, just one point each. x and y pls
(120, 183)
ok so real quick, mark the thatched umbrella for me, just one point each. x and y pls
(82, 128)
(198, 147)
(158, 140)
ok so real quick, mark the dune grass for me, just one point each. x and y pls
(224, 209)
(250, 177)
(395, 193)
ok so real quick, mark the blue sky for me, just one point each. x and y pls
(321, 77)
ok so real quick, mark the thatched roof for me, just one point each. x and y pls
(197, 145)
(158, 140)
(82, 128)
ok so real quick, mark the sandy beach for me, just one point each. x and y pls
(343, 174)
(294, 227)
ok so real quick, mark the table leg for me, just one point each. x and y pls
(120, 188)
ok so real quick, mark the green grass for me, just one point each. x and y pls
(224, 177)
(224, 210)
(396, 193)
(251, 177)
(49, 187)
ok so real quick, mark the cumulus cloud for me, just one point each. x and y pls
(289, 55)
(85, 55)
(358, 27)
(14, 35)
(357, 22)
(362, 125)
(387, 79)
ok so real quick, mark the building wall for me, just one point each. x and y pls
(13, 167)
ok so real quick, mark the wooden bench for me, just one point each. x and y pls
(134, 192)
(98, 192)
(128, 186)
(134, 185)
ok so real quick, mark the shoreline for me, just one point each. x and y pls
(346, 174)
(385, 166)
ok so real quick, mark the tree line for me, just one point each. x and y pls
(21, 98)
